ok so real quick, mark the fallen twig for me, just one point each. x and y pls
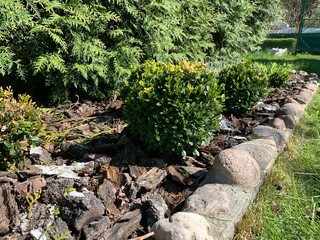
(143, 237)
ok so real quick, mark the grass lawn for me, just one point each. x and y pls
(309, 63)
(288, 205)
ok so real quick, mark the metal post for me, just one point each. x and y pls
(301, 24)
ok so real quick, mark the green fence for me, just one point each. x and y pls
(309, 43)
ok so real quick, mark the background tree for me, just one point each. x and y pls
(293, 9)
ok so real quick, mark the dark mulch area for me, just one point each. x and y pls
(102, 183)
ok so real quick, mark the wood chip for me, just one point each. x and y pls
(152, 178)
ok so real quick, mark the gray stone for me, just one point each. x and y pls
(39, 155)
(311, 86)
(155, 207)
(107, 192)
(277, 123)
(292, 100)
(81, 211)
(271, 133)
(222, 223)
(182, 226)
(264, 151)
(292, 109)
(53, 193)
(305, 94)
(209, 199)
(233, 166)
(288, 121)
(300, 99)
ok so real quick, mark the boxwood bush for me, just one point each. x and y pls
(245, 83)
(173, 108)
(278, 74)
(20, 124)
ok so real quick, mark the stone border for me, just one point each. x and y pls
(214, 209)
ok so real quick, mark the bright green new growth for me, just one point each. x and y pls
(20, 125)
(32, 199)
(245, 83)
(173, 108)
(278, 74)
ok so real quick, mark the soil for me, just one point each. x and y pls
(99, 182)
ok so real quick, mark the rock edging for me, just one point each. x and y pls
(213, 210)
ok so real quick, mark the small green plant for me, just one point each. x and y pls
(173, 108)
(20, 125)
(68, 190)
(278, 74)
(62, 236)
(56, 212)
(32, 199)
(245, 83)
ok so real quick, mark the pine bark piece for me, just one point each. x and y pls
(125, 226)
(152, 178)
(8, 209)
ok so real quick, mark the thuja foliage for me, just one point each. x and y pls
(245, 83)
(164, 30)
(240, 27)
(173, 108)
(58, 42)
(87, 48)
(20, 125)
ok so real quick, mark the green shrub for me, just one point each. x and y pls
(269, 43)
(20, 124)
(278, 74)
(245, 83)
(87, 48)
(58, 44)
(173, 108)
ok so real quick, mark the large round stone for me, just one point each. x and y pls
(292, 109)
(234, 166)
(209, 199)
(311, 86)
(288, 120)
(182, 226)
(305, 94)
(277, 123)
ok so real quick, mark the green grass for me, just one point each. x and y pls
(288, 204)
(309, 63)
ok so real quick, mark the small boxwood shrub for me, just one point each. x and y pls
(173, 108)
(20, 124)
(245, 83)
(278, 74)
